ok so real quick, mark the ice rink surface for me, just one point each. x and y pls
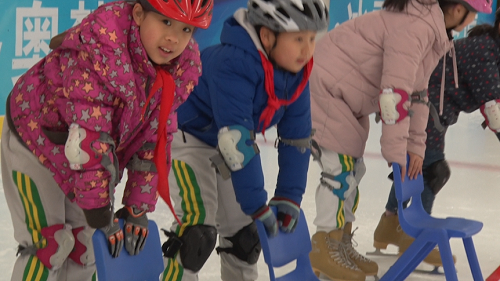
(472, 192)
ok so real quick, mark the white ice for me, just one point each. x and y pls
(472, 192)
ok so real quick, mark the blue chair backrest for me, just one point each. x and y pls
(286, 248)
(409, 189)
(147, 265)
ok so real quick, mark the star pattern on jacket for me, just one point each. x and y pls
(98, 78)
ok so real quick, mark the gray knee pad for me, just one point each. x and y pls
(437, 174)
(246, 244)
(194, 246)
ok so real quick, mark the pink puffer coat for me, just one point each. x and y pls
(99, 78)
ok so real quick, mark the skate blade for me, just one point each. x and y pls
(377, 252)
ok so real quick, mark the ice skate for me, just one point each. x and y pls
(369, 267)
(389, 231)
(329, 258)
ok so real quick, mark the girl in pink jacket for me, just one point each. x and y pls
(102, 101)
(379, 62)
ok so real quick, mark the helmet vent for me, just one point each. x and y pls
(282, 11)
(268, 16)
(320, 11)
(306, 11)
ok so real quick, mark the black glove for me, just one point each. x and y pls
(135, 228)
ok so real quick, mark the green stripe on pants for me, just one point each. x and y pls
(35, 220)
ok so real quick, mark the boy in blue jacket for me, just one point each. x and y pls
(256, 78)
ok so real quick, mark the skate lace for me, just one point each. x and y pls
(349, 243)
(339, 254)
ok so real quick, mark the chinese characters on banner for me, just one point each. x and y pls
(26, 28)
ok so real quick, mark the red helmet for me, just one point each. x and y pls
(194, 12)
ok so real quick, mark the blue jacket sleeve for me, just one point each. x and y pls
(293, 161)
(235, 86)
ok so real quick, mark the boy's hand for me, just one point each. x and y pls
(267, 217)
(288, 213)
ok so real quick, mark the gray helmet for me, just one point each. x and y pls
(288, 15)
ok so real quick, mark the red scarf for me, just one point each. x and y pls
(165, 81)
(273, 103)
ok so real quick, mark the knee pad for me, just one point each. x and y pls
(341, 185)
(394, 105)
(437, 174)
(83, 252)
(59, 243)
(246, 244)
(194, 246)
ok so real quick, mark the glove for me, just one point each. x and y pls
(288, 213)
(114, 234)
(268, 219)
(136, 228)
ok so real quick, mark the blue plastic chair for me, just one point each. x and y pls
(146, 266)
(287, 247)
(429, 232)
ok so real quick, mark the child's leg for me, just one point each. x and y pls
(368, 266)
(351, 205)
(238, 235)
(193, 189)
(81, 262)
(330, 194)
(328, 255)
(37, 207)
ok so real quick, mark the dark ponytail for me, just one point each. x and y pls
(482, 29)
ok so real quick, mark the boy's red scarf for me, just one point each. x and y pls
(273, 103)
(165, 81)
